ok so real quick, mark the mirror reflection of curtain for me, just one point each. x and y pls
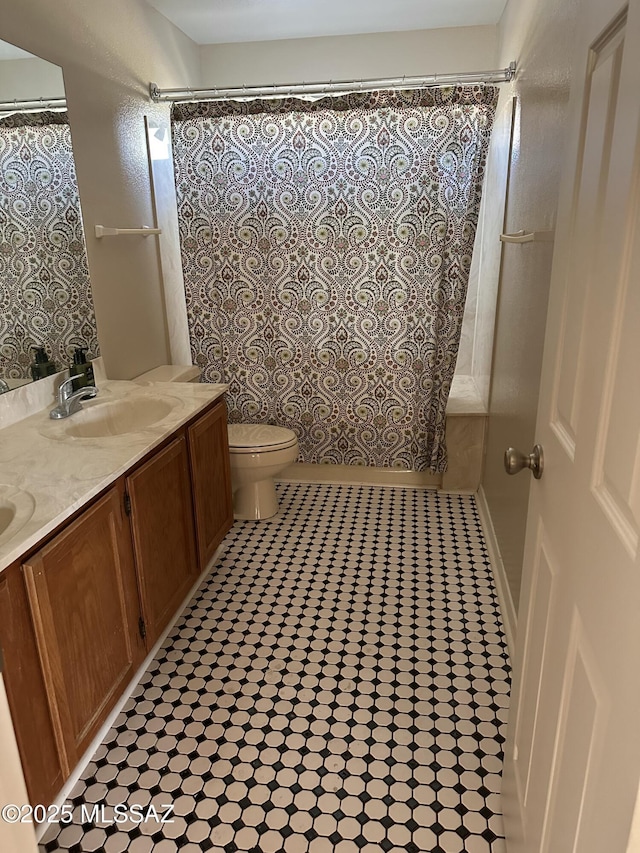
(326, 249)
(45, 294)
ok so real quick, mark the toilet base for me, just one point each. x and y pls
(255, 501)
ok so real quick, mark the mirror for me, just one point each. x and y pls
(45, 292)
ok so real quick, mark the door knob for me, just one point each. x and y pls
(516, 460)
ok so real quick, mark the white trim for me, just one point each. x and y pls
(507, 608)
(80, 767)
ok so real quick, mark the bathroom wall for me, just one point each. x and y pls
(536, 33)
(25, 79)
(109, 52)
(350, 57)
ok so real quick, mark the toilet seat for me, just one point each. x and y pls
(259, 438)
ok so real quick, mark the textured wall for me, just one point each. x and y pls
(350, 57)
(28, 79)
(536, 33)
(109, 52)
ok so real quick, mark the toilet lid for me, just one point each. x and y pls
(253, 438)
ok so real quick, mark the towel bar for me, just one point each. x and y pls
(528, 237)
(103, 231)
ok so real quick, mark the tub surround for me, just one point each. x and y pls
(465, 444)
(466, 422)
(466, 425)
(359, 475)
(464, 397)
(63, 473)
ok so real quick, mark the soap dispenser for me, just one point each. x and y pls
(82, 369)
(41, 365)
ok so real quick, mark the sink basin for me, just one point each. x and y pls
(118, 417)
(16, 508)
(7, 514)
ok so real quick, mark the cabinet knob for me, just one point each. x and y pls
(516, 460)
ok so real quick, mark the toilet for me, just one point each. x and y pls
(258, 452)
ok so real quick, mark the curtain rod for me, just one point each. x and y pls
(33, 106)
(503, 75)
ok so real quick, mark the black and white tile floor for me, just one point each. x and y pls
(339, 683)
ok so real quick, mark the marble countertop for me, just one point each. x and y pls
(48, 474)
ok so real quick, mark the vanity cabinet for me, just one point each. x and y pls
(26, 691)
(85, 609)
(79, 615)
(163, 535)
(210, 480)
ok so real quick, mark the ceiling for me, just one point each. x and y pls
(220, 21)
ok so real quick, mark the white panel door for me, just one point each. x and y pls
(572, 761)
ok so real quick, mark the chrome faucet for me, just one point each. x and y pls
(70, 401)
(4, 387)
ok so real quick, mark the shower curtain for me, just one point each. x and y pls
(326, 248)
(45, 293)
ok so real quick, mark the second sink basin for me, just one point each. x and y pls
(118, 417)
(16, 508)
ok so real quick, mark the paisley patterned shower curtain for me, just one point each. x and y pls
(45, 293)
(326, 249)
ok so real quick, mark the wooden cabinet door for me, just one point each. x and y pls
(163, 535)
(84, 603)
(24, 683)
(211, 480)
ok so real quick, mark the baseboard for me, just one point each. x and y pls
(507, 608)
(358, 475)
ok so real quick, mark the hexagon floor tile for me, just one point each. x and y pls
(339, 684)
